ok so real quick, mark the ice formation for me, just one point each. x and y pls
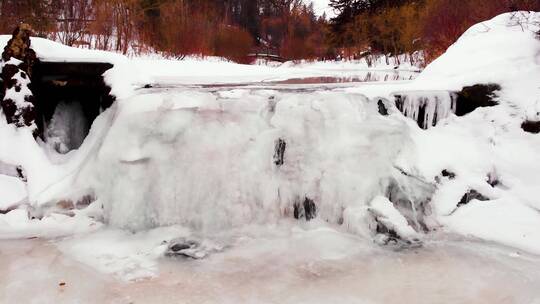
(211, 163)
(68, 127)
(391, 219)
(426, 107)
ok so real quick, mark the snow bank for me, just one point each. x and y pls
(48, 50)
(487, 150)
(500, 50)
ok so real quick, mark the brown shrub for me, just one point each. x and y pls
(233, 43)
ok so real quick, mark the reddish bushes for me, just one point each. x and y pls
(230, 28)
(445, 21)
(233, 28)
(405, 26)
(233, 43)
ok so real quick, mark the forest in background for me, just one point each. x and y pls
(393, 27)
(236, 28)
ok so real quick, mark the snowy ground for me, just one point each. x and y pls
(193, 156)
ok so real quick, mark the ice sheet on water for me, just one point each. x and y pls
(285, 266)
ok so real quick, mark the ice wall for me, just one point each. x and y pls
(213, 162)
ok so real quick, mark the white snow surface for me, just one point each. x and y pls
(13, 191)
(500, 50)
(200, 161)
(53, 51)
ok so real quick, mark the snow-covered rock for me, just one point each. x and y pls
(391, 219)
(501, 50)
(489, 141)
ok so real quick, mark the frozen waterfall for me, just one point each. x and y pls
(213, 162)
(67, 128)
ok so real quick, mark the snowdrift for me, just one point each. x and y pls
(487, 150)
(219, 159)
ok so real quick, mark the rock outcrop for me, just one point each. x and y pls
(530, 126)
(18, 103)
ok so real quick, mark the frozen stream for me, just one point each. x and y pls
(310, 267)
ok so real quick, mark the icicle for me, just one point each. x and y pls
(426, 107)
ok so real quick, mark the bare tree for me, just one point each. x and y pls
(72, 20)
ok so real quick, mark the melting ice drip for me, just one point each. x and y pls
(426, 107)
